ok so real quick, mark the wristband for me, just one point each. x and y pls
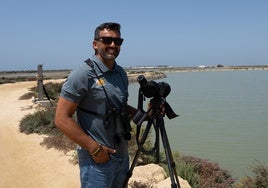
(96, 151)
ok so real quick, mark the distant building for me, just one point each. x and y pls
(202, 66)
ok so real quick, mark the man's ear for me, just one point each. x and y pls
(94, 45)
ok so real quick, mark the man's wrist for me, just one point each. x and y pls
(94, 153)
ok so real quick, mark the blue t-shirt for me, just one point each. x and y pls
(84, 88)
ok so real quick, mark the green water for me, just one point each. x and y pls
(223, 116)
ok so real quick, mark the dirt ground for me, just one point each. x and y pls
(23, 161)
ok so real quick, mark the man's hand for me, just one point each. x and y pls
(150, 109)
(103, 155)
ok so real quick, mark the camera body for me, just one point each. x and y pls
(125, 118)
(153, 89)
(158, 92)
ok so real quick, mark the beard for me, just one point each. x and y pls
(109, 53)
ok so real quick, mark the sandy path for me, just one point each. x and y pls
(23, 162)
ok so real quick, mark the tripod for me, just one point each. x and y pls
(157, 121)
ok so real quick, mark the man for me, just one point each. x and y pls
(98, 91)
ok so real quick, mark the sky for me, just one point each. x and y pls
(58, 33)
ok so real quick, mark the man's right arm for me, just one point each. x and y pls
(65, 122)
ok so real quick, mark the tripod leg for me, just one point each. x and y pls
(144, 136)
(169, 157)
(156, 145)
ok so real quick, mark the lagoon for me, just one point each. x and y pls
(223, 116)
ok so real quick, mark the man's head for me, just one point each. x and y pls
(107, 41)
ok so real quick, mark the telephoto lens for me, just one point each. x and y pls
(142, 81)
(149, 89)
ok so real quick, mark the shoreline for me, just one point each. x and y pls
(222, 69)
(150, 73)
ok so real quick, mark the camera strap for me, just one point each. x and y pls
(90, 63)
(110, 106)
(112, 110)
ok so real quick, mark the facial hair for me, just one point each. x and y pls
(108, 53)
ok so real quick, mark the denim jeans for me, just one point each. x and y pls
(108, 175)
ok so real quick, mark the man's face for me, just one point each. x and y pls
(107, 47)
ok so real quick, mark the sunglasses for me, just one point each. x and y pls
(109, 40)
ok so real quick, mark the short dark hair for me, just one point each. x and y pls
(109, 26)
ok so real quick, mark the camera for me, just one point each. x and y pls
(158, 92)
(153, 89)
(125, 118)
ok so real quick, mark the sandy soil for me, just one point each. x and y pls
(23, 161)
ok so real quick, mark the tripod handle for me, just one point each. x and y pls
(169, 111)
(141, 116)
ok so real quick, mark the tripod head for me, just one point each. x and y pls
(153, 89)
(158, 92)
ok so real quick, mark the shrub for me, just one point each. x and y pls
(59, 142)
(261, 176)
(259, 179)
(187, 172)
(209, 173)
(41, 122)
(144, 158)
(27, 96)
(53, 90)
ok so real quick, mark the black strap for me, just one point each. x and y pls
(45, 91)
(90, 63)
(111, 109)
(94, 113)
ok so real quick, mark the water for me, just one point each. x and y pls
(223, 117)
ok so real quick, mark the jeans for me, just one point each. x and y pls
(108, 175)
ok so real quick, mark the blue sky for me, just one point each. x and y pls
(59, 33)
